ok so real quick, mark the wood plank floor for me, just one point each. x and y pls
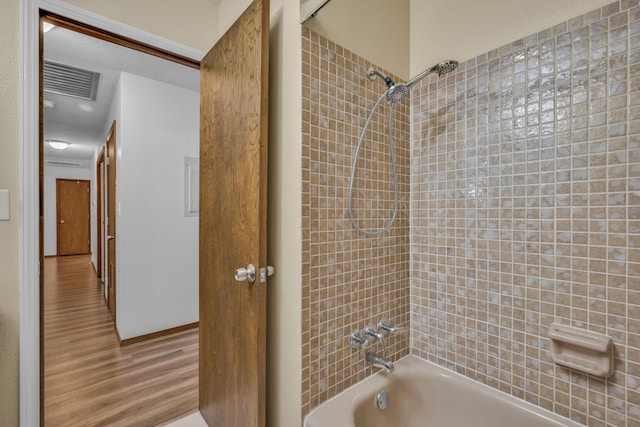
(89, 379)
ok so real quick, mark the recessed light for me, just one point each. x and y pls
(58, 145)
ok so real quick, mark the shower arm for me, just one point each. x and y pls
(372, 73)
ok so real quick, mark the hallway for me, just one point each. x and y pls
(89, 379)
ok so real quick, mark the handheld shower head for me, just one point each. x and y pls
(395, 92)
(443, 67)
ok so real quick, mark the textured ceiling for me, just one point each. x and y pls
(81, 122)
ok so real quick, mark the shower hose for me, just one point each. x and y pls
(393, 166)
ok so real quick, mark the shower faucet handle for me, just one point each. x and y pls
(384, 327)
(371, 333)
(357, 340)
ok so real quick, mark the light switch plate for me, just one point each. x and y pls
(4, 205)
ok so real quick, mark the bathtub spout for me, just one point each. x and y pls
(379, 362)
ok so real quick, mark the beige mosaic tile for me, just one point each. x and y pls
(525, 211)
(349, 280)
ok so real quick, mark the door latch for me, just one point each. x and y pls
(246, 274)
(265, 272)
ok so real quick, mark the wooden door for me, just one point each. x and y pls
(100, 214)
(110, 281)
(73, 216)
(233, 172)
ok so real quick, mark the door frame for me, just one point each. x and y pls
(31, 243)
(100, 214)
(88, 182)
(110, 281)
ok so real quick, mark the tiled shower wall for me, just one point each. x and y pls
(525, 210)
(349, 280)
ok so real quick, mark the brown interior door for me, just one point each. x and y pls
(100, 214)
(110, 281)
(73, 216)
(233, 182)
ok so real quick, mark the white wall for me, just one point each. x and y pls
(10, 175)
(228, 13)
(157, 246)
(377, 30)
(51, 173)
(461, 30)
(193, 23)
(284, 377)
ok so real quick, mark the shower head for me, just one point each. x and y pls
(395, 92)
(443, 67)
(398, 92)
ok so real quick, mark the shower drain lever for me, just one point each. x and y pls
(382, 400)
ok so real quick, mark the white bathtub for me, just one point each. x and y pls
(422, 394)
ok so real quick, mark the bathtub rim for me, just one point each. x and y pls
(376, 380)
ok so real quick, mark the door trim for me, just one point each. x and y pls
(80, 27)
(30, 142)
(100, 214)
(158, 334)
(111, 225)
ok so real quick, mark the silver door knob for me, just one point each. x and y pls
(245, 274)
(111, 237)
(62, 221)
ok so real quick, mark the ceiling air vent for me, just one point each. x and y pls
(70, 81)
(62, 163)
